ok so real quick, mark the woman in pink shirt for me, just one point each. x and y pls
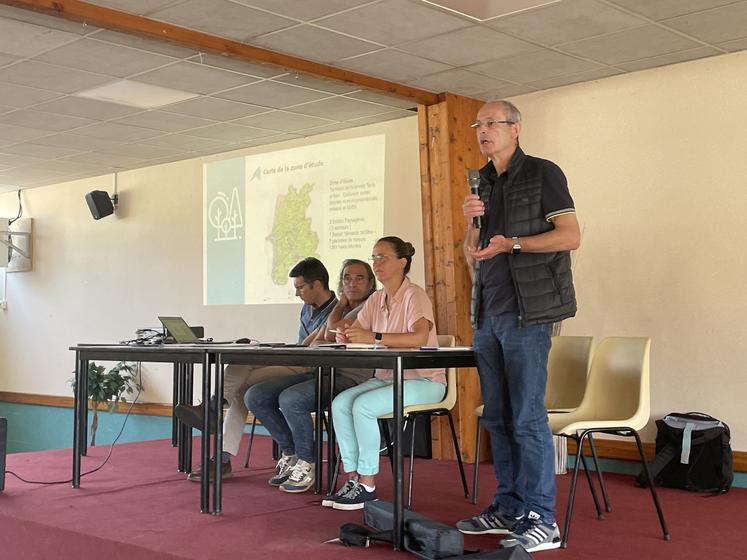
(400, 315)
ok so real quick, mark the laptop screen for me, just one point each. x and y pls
(178, 328)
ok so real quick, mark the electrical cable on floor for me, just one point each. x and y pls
(111, 448)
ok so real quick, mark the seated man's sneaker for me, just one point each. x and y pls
(300, 479)
(192, 416)
(283, 469)
(532, 534)
(355, 498)
(328, 501)
(488, 521)
(225, 472)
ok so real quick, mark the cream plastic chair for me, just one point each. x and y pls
(414, 412)
(617, 401)
(567, 369)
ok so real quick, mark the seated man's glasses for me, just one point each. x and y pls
(489, 124)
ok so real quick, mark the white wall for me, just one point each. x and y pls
(657, 163)
(98, 281)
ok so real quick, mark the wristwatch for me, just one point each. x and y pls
(516, 248)
(378, 336)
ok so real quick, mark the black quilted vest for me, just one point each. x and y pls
(543, 281)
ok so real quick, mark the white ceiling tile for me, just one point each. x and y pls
(46, 76)
(505, 92)
(195, 78)
(20, 96)
(163, 121)
(43, 121)
(306, 10)
(272, 94)
(665, 59)
(383, 117)
(43, 20)
(143, 151)
(383, 99)
(734, 46)
(467, 46)
(117, 132)
(228, 131)
(575, 78)
(5, 109)
(30, 149)
(104, 58)
(139, 7)
(392, 65)
(184, 142)
(84, 107)
(6, 59)
(630, 44)
(66, 166)
(10, 134)
(321, 84)
(714, 26)
(143, 43)
(341, 109)
(239, 65)
(81, 143)
(314, 43)
(391, 22)
(222, 18)
(533, 66)
(662, 9)
(459, 81)
(111, 160)
(214, 109)
(565, 21)
(282, 121)
(23, 39)
(12, 159)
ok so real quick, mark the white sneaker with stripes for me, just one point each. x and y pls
(533, 535)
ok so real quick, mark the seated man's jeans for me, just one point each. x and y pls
(284, 406)
(512, 364)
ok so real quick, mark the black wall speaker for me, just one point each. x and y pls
(3, 441)
(99, 204)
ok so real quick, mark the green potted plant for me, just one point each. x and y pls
(109, 387)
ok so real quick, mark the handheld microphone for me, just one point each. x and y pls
(473, 178)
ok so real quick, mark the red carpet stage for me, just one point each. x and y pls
(139, 507)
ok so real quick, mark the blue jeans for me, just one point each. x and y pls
(284, 406)
(512, 363)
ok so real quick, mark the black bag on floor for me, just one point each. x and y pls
(424, 537)
(693, 452)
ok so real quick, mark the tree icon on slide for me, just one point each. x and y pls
(226, 216)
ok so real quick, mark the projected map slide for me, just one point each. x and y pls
(265, 212)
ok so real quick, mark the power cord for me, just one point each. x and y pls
(111, 448)
(20, 209)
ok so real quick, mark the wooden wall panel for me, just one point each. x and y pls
(447, 150)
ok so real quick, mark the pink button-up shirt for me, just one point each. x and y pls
(398, 315)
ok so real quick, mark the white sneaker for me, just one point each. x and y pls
(283, 469)
(329, 501)
(301, 477)
(533, 534)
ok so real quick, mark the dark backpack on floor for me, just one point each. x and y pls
(692, 452)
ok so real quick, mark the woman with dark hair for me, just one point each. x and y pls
(400, 315)
(284, 404)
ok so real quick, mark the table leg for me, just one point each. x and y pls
(331, 463)
(218, 438)
(84, 409)
(205, 440)
(175, 392)
(79, 402)
(398, 402)
(318, 431)
(188, 397)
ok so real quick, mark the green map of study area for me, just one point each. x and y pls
(291, 236)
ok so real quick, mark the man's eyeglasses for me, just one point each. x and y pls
(489, 124)
(354, 279)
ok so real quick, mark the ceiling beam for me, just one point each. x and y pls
(115, 20)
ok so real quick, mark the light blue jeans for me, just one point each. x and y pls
(355, 412)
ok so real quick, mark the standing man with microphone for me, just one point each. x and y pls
(521, 227)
